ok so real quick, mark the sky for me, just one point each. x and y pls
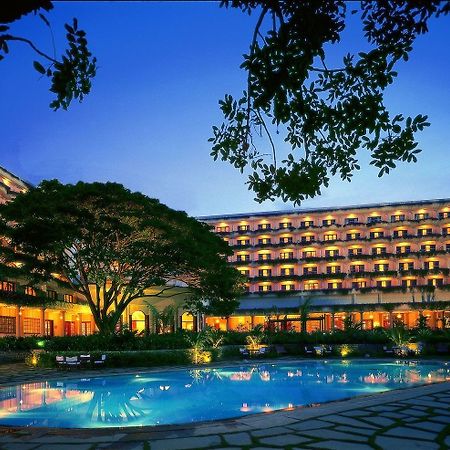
(163, 66)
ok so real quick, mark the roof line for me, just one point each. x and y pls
(26, 183)
(321, 209)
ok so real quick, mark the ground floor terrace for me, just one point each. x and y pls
(412, 418)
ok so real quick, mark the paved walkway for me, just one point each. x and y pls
(414, 418)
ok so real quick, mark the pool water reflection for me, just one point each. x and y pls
(173, 397)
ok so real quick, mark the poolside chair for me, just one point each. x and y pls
(309, 350)
(388, 350)
(327, 349)
(263, 350)
(100, 362)
(85, 360)
(72, 362)
(442, 348)
(244, 352)
(60, 361)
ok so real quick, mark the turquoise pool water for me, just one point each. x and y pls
(172, 397)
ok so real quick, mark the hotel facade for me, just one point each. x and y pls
(377, 263)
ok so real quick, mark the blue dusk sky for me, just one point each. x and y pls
(163, 66)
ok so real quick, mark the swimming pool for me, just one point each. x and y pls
(181, 396)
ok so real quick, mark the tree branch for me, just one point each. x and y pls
(9, 37)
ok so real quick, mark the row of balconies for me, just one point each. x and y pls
(11, 291)
(359, 274)
(329, 223)
(377, 253)
(329, 239)
(357, 287)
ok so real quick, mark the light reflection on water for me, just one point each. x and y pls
(203, 394)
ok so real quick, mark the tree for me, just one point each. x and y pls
(325, 114)
(72, 72)
(114, 246)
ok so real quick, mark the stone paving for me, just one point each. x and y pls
(413, 418)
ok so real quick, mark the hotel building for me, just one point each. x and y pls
(377, 263)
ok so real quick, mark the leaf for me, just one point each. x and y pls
(39, 67)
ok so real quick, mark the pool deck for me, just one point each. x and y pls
(412, 418)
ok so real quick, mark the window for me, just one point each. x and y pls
(264, 288)
(243, 227)
(330, 237)
(399, 233)
(265, 272)
(350, 220)
(7, 325)
(243, 242)
(378, 250)
(333, 269)
(8, 286)
(403, 249)
(287, 255)
(31, 325)
(305, 239)
(427, 248)
(264, 257)
(309, 270)
(309, 254)
(354, 251)
(328, 222)
(397, 218)
(384, 283)
(264, 226)
(331, 253)
(446, 231)
(287, 287)
(447, 247)
(357, 268)
(335, 285)
(409, 283)
(285, 224)
(243, 258)
(245, 272)
(374, 219)
(406, 266)
(376, 234)
(264, 241)
(311, 286)
(86, 328)
(48, 327)
(428, 265)
(421, 216)
(359, 284)
(29, 290)
(353, 236)
(286, 240)
(287, 271)
(223, 229)
(306, 224)
(68, 298)
(381, 267)
(444, 215)
(52, 295)
(436, 282)
(424, 231)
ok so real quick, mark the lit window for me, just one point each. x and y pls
(30, 291)
(68, 298)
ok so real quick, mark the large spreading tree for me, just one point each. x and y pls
(114, 246)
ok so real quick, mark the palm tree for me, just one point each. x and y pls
(304, 310)
(163, 320)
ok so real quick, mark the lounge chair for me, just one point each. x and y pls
(72, 362)
(442, 348)
(60, 361)
(85, 360)
(309, 350)
(100, 362)
(244, 352)
(327, 349)
(263, 350)
(388, 350)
